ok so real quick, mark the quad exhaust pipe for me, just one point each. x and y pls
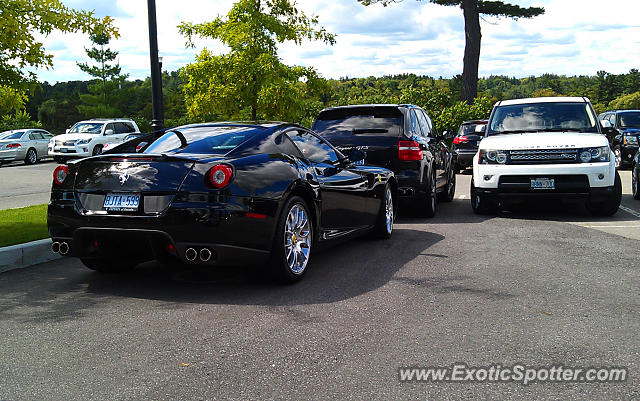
(60, 247)
(191, 254)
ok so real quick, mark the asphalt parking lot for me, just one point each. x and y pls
(22, 185)
(540, 285)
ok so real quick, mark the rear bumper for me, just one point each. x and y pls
(464, 158)
(13, 154)
(233, 238)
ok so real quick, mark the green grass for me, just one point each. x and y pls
(23, 225)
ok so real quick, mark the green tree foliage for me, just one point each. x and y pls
(250, 81)
(101, 101)
(11, 100)
(626, 102)
(472, 10)
(18, 120)
(24, 23)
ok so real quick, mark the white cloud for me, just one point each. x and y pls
(572, 37)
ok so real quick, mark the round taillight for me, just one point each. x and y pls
(59, 174)
(220, 175)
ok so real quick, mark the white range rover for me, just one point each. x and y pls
(545, 147)
(88, 138)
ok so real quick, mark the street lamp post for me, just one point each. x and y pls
(157, 119)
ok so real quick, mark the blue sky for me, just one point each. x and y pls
(574, 37)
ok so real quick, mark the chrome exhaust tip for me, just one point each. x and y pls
(64, 248)
(55, 247)
(205, 255)
(191, 254)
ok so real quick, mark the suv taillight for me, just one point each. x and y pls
(409, 150)
(459, 139)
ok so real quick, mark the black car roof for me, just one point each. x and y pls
(266, 125)
(374, 105)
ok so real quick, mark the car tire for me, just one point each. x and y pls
(429, 202)
(610, 206)
(384, 223)
(635, 185)
(31, 157)
(450, 190)
(96, 150)
(479, 203)
(292, 238)
(104, 265)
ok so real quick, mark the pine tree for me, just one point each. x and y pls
(103, 92)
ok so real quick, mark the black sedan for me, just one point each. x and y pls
(218, 194)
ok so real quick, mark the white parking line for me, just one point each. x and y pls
(462, 197)
(630, 211)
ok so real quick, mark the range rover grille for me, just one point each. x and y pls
(543, 156)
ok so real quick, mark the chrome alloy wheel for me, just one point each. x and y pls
(297, 239)
(618, 156)
(33, 158)
(389, 211)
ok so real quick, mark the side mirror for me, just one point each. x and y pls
(606, 124)
(356, 155)
(108, 132)
(67, 130)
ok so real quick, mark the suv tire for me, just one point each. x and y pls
(611, 205)
(429, 202)
(479, 203)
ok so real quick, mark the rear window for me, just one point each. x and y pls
(202, 140)
(15, 135)
(472, 129)
(370, 121)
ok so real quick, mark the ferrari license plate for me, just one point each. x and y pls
(122, 202)
(543, 183)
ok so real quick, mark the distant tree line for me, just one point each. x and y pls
(58, 106)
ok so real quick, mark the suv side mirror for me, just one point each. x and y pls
(67, 130)
(606, 124)
(108, 132)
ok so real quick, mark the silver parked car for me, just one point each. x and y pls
(29, 145)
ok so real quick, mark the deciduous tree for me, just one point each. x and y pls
(24, 22)
(251, 77)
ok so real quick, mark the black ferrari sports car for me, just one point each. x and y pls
(217, 194)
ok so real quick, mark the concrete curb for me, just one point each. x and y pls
(25, 255)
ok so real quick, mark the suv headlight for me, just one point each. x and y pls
(492, 156)
(630, 140)
(592, 155)
(83, 141)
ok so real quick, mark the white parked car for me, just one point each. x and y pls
(88, 138)
(29, 145)
(545, 147)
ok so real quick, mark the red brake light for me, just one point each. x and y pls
(12, 145)
(409, 150)
(220, 175)
(459, 139)
(59, 174)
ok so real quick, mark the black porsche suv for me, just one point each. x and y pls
(401, 138)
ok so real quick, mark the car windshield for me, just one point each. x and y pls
(629, 120)
(9, 135)
(383, 121)
(86, 128)
(542, 117)
(201, 140)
